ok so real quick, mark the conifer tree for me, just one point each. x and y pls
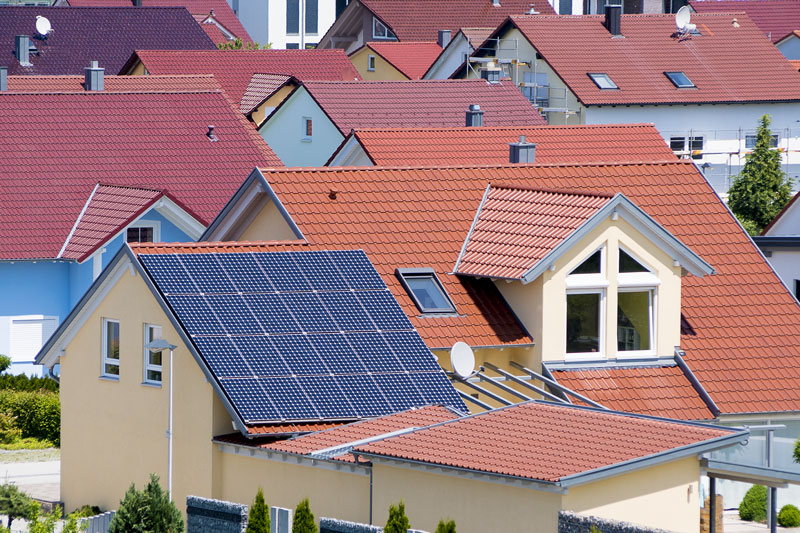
(446, 527)
(303, 519)
(258, 519)
(398, 521)
(761, 189)
(148, 510)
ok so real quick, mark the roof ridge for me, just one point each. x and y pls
(111, 186)
(577, 192)
(511, 128)
(666, 162)
(135, 246)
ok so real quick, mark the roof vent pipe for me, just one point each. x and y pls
(444, 38)
(612, 21)
(93, 77)
(522, 151)
(22, 50)
(474, 116)
(532, 10)
(3, 78)
(496, 3)
(211, 135)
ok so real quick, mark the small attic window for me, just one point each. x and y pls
(602, 80)
(426, 290)
(380, 31)
(680, 80)
(629, 264)
(590, 266)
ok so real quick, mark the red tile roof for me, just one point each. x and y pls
(153, 140)
(476, 36)
(420, 103)
(214, 33)
(757, 72)
(261, 87)
(741, 325)
(106, 213)
(795, 64)
(411, 58)
(124, 84)
(235, 68)
(776, 18)
(489, 146)
(420, 20)
(542, 441)
(658, 391)
(282, 429)
(222, 12)
(516, 227)
(350, 433)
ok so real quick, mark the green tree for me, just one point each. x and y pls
(14, 504)
(398, 521)
(5, 362)
(258, 519)
(796, 452)
(446, 527)
(761, 189)
(41, 522)
(304, 519)
(148, 510)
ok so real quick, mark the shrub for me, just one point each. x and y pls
(303, 519)
(446, 527)
(147, 510)
(25, 383)
(789, 516)
(14, 504)
(258, 519)
(754, 505)
(41, 522)
(37, 414)
(5, 362)
(9, 432)
(398, 521)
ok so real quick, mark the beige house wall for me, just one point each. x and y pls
(383, 69)
(664, 496)
(113, 432)
(138, 70)
(260, 114)
(267, 224)
(541, 305)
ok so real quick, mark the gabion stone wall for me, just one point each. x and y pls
(214, 516)
(332, 525)
(569, 522)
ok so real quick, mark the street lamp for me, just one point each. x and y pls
(159, 345)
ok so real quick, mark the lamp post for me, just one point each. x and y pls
(159, 345)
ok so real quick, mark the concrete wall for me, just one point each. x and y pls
(383, 69)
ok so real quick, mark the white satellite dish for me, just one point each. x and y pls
(43, 26)
(463, 359)
(682, 18)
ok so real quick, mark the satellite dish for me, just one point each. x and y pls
(43, 26)
(463, 359)
(682, 18)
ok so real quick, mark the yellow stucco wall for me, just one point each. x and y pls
(271, 103)
(138, 70)
(340, 494)
(383, 69)
(547, 322)
(113, 432)
(664, 496)
(266, 224)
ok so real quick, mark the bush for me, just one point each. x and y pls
(41, 522)
(5, 362)
(789, 516)
(25, 383)
(15, 504)
(303, 519)
(398, 521)
(446, 527)
(258, 519)
(754, 505)
(37, 414)
(148, 510)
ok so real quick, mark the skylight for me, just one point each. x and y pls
(602, 80)
(425, 289)
(680, 80)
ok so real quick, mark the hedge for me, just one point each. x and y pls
(37, 414)
(25, 383)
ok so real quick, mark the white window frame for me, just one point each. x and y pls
(147, 365)
(155, 225)
(105, 359)
(371, 63)
(639, 282)
(601, 352)
(389, 33)
(639, 354)
(304, 124)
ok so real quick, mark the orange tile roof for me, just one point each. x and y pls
(516, 227)
(489, 145)
(741, 325)
(657, 391)
(541, 441)
(757, 72)
(410, 58)
(119, 84)
(283, 429)
(795, 64)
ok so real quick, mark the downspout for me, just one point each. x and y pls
(356, 456)
(52, 376)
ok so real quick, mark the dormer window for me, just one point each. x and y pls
(636, 286)
(426, 290)
(680, 80)
(602, 80)
(380, 31)
(586, 293)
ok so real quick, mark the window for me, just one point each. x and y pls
(678, 145)
(311, 46)
(425, 289)
(312, 14)
(696, 147)
(679, 80)
(380, 31)
(292, 17)
(565, 7)
(152, 360)
(340, 5)
(110, 348)
(750, 141)
(307, 129)
(797, 289)
(603, 81)
(586, 286)
(293, 46)
(371, 63)
(634, 320)
(141, 234)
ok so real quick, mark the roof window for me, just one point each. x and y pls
(426, 290)
(680, 80)
(602, 80)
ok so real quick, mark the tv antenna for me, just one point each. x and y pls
(462, 358)
(682, 19)
(43, 26)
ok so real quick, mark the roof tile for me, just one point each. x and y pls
(411, 58)
(776, 18)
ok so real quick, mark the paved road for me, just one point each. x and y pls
(40, 480)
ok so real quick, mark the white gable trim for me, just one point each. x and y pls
(77, 221)
(351, 153)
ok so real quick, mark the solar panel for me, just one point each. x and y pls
(302, 335)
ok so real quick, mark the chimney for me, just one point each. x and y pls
(22, 51)
(444, 38)
(137, 3)
(522, 151)
(612, 22)
(93, 77)
(474, 116)
(3, 78)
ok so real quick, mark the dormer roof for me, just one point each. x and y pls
(412, 59)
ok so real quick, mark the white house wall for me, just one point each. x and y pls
(786, 262)
(450, 59)
(265, 21)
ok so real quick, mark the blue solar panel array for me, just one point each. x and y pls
(301, 336)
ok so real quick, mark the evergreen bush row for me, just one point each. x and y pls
(25, 383)
(34, 414)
